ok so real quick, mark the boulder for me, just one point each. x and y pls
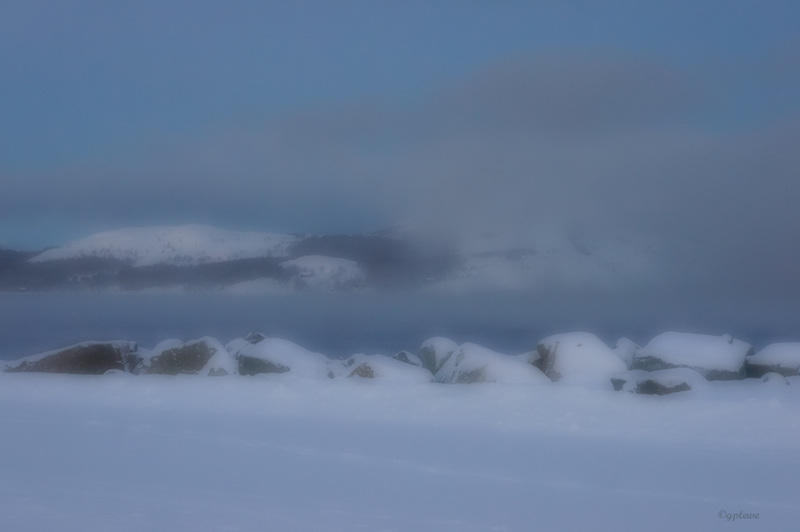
(578, 356)
(385, 369)
(204, 356)
(783, 358)
(714, 357)
(775, 379)
(278, 356)
(625, 349)
(87, 358)
(471, 363)
(659, 382)
(408, 358)
(434, 352)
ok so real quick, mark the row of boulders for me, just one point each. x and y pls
(670, 362)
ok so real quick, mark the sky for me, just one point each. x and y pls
(675, 121)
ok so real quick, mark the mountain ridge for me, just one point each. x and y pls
(202, 257)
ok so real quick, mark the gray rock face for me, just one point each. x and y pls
(434, 352)
(781, 358)
(258, 354)
(408, 358)
(186, 359)
(89, 358)
(204, 356)
(253, 366)
(255, 337)
(363, 370)
(659, 382)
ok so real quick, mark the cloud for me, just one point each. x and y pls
(605, 140)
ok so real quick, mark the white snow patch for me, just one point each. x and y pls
(185, 245)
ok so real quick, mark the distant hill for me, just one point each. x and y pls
(198, 257)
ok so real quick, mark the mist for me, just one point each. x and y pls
(683, 139)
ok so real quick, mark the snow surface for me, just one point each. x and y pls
(785, 355)
(720, 353)
(161, 453)
(186, 245)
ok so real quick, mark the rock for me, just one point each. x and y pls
(578, 356)
(625, 349)
(659, 382)
(775, 379)
(782, 358)
(714, 357)
(384, 368)
(255, 337)
(204, 356)
(408, 358)
(471, 363)
(434, 352)
(274, 355)
(87, 358)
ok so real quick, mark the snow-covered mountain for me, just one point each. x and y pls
(185, 245)
(202, 256)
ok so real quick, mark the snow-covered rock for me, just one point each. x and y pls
(783, 358)
(408, 358)
(472, 363)
(434, 352)
(578, 356)
(775, 379)
(715, 357)
(659, 382)
(186, 245)
(384, 368)
(86, 358)
(325, 273)
(625, 349)
(275, 355)
(204, 356)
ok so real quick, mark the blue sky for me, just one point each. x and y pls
(677, 120)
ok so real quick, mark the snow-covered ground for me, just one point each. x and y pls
(158, 453)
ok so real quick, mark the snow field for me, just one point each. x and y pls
(118, 452)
